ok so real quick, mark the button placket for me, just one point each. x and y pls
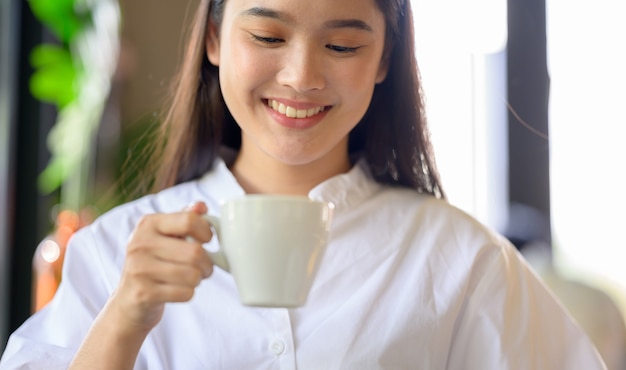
(277, 346)
(280, 343)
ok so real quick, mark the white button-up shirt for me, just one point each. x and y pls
(407, 282)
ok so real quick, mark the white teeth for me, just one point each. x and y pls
(292, 112)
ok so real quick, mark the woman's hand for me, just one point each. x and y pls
(162, 265)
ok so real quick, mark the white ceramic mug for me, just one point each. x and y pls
(272, 245)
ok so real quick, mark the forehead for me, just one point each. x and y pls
(362, 13)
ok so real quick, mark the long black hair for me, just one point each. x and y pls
(393, 134)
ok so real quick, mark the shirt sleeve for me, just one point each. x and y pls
(50, 338)
(511, 321)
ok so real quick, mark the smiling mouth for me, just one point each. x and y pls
(292, 112)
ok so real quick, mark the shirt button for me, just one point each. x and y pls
(277, 347)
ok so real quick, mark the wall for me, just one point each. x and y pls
(152, 44)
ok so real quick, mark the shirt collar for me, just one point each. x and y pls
(342, 190)
(347, 189)
(220, 183)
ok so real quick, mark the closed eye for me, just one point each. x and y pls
(267, 40)
(342, 49)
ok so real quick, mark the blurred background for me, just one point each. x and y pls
(524, 99)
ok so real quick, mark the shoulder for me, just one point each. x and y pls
(445, 239)
(425, 232)
(436, 216)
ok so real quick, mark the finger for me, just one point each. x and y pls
(157, 271)
(172, 250)
(181, 225)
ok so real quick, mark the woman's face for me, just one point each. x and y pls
(298, 75)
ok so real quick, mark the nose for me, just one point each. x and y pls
(302, 69)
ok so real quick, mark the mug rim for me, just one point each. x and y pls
(276, 197)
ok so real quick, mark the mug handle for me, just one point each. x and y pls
(218, 257)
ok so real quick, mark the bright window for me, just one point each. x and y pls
(587, 67)
(462, 58)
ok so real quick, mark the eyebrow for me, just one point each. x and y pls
(280, 16)
(349, 23)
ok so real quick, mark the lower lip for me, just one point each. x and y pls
(297, 123)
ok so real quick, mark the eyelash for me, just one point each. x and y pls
(342, 49)
(267, 40)
(336, 48)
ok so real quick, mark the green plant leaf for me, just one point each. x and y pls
(52, 176)
(46, 9)
(61, 17)
(55, 77)
(67, 29)
(47, 54)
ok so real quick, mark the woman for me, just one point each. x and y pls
(317, 98)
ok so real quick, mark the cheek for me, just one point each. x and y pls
(358, 74)
(358, 82)
(247, 66)
(242, 72)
